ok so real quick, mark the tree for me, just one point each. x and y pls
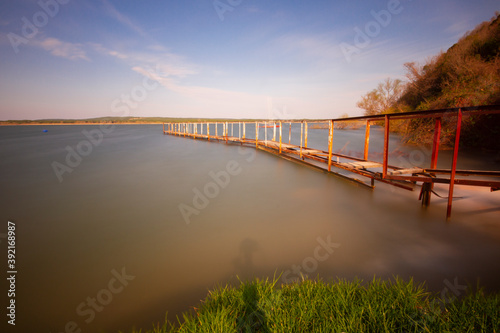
(383, 99)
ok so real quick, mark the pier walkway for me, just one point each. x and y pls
(360, 170)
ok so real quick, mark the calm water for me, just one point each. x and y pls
(126, 236)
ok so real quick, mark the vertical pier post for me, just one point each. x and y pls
(305, 139)
(367, 140)
(256, 134)
(454, 163)
(208, 131)
(227, 130)
(274, 131)
(330, 145)
(435, 143)
(290, 134)
(265, 135)
(301, 135)
(386, 146)
(244, 125)
(280, 135)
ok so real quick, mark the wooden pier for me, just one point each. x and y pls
(359, 170)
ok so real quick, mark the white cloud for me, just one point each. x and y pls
(62, 49)
(115, 14)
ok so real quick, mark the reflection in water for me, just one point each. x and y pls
(119, 209)
(244, 263)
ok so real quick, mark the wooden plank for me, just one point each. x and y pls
(361, 165)
(406, 171)
(313, 151)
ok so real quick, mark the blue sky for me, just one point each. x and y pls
(223, 58)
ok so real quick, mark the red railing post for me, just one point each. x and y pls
(367, 140)
(386, 146)
(330, 144)
(435, 143)
(454, 163)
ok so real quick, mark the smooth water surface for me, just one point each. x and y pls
(146, 223)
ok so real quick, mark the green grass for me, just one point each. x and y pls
(337, 306)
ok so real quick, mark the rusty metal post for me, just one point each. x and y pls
(301, 134)
(367, 140)
(386, 146)
(274, 131)
(305, 139)
(280, 136)
(454, 163)
(330, 144)
(435, 143)
(244, 126)
(265, 135)
(208, 131)
(290, 134)
(256, 134)
(227, 130)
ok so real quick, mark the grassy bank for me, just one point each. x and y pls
(340, 306)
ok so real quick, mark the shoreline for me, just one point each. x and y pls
(62, 124)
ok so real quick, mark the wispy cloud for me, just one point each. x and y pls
(172, 71)
(313, 46)
(158, 58)
(62, 49)
(123, 19)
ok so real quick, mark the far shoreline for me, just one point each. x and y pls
(63, 124)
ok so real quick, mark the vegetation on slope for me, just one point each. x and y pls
(468, 74)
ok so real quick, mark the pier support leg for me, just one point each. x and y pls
(425, 194)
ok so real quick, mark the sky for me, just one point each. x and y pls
(281, 59)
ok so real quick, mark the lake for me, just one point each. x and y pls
(116, 226)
